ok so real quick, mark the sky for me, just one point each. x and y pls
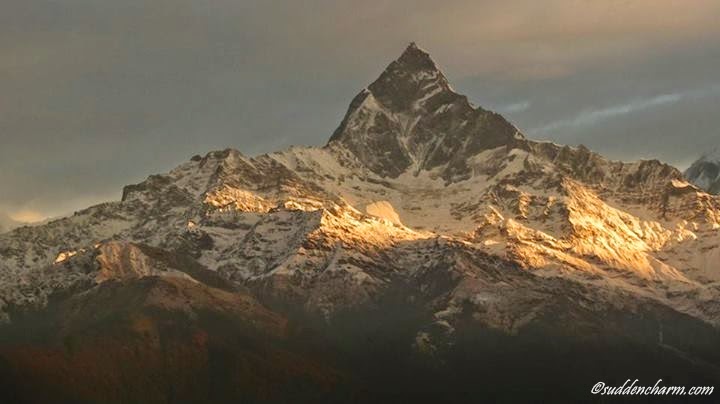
(97, 94)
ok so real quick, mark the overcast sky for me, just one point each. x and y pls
(96, 94)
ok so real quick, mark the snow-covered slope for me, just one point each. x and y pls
(415, 188)
(705, 172)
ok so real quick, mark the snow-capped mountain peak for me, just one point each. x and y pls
(705, 172)
(411, 119)
(410, 81)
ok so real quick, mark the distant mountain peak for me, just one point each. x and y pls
(713, 156)
(411, 119)
(705, 172)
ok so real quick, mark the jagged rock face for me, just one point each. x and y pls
(705, 173)
(410, 118)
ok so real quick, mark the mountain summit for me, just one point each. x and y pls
(411, 119)
(409, 82)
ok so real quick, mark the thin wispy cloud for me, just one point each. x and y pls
(514, 107)
(592, 117)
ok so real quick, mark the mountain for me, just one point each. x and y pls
(705, 172)
(428, 252)
(412, 114)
